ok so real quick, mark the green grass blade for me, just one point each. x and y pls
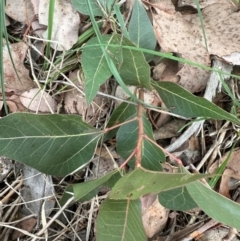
(121, 21)
(221, 169)
(50, 28)
(202, 24)
(109, 60)
(227, 89)
(169, 56)
(3, 32)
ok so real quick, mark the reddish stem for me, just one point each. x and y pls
(178, 161)
(131, 155)
(118, 125)
(138, 148)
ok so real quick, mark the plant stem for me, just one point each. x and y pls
(177, 160)
(118, 125)
(138, 149)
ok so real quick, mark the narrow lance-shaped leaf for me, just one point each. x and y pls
(215, 205)
(141, 182)
(134, 69)
(53, 144)
(82, 189)
(182, 102)
(141, 30)
(85, 191)
(120, 220)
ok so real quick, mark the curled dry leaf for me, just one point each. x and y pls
(37, 100)
(154, 215)
(21, 10)
(64, 32)
(11, 81)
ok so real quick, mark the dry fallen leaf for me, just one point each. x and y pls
(7, 21)
(11, 81)
(169, 129)
(64, 32)
(6, 166)
(231, 175)
(166, 71)
(185, 38)
(27, 225)
(215, 234)
(154, 215)
(165, 5)
(21, 10)
(175, 34)
(14, 104)
(38, 100)
(75, 102)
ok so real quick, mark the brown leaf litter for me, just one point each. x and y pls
(176, 33)
(184, 37)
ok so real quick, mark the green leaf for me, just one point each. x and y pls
(123, 112)
(215, 205)
(132, 65)
(82, 189)
(134, 69)
(81, 6)
(182, 102)
(53, 144)
(87, 190)
(95, 66)
(221, 169)
(127, 137)
(141, 182)
(120, 220)
(141, 30)
(107, 5)
(177, 199)
(66, 195)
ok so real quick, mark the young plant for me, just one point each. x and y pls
(62, 144)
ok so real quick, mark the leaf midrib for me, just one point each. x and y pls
(49, 137)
